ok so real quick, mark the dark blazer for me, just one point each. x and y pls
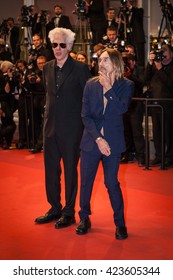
(14, 41)
(136, 23)
(118, 97)
(64, 101)
(64, 22)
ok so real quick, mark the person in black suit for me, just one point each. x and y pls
(135, 30)
(106, 99)
(96, 15)
(12, 39)
(64, 79)
(60, 20)
(110, 18)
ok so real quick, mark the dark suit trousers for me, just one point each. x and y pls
(89, 166)
(56, 149)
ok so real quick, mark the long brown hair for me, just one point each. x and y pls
(117, 61)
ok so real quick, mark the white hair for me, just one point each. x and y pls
(67, 33)
(7, 64)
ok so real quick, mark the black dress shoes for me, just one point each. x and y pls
(121, 233)
(155, 162)
(127, 158)
(169, 164)
(83, 226)
(20, 145)
(65, 221)
(35, 150)
(47, 218)
(141, 162)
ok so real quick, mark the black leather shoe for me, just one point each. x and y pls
(20, 145)
(121, 233)
(127, 158)
(83, 226)
(47, 218)
(65, 221)
(169, 164)
(35, 150)
(141, 162)
(155, 162)
(124, 159)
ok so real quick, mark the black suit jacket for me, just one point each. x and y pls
(14, 41)
(64, 22)
(63, 103)
(136, 24)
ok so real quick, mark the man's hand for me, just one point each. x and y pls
(103, 146)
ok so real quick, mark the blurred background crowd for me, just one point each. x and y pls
(25, 48)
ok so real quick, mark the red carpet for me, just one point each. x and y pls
(148, 198)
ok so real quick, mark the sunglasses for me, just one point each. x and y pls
(62, 45)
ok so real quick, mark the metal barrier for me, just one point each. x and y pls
(31, 95)
(148, 103)
(154, 103)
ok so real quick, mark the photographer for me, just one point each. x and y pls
(60, 20)
(159, 75)
(4, 54)
(38, 50)
(97, 19)
(132, 23)
(7, 83)
(167, 9)
(37, 88)
(6, 103)
(110, 18)
(111, 38)
(133, 118)
(23, 104)
(12, 39)
(7, 126)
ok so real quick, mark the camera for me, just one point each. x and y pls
(159, 56)
(33, 78)
(111, 45)
(80, 8)
(163, 2)
(156, 47)
(123, 7)
(43, 18)
(7, 77)
(32, 51)
(123, 2)
(120, 46)
(17, 75)
(25, 15)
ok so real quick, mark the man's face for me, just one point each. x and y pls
(40, 63)
(37, 41)
(21, 66)
(112, 35)
(105, 63)
(58, 11)
(10, 24)
(61, 54)
(111, 14)
(81, 58)
(167, 57)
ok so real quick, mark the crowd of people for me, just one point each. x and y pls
(119, 32)
(72, 106)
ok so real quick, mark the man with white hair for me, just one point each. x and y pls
(64, 80)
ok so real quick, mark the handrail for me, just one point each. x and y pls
(154, 103)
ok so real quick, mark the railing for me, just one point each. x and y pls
(148, 103)
(154, 103)
(30, 95)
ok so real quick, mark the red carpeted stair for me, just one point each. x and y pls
(148, 196)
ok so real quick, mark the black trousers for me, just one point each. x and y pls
(65, 149)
